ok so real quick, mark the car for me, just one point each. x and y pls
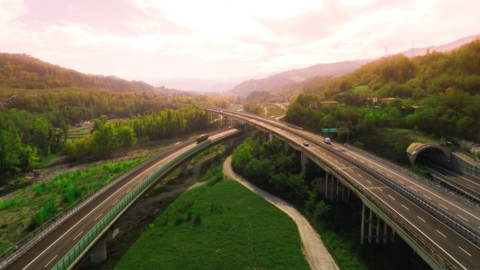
(328, 141)
(306, 143)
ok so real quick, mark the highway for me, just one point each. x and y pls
(440, 238)
(58, 242)
(463, 182)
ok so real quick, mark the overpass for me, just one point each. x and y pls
(64, 242)
(441, 227)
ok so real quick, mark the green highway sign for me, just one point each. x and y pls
(326, 130)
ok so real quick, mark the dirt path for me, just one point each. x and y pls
(313, 248)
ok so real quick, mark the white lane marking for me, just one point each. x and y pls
(77, 235)
(412, 188)
(98, 217)
(408, 221)
(417, 185)
(391, 197)
(94, 209)
(465, 251)
(443, 206)
(115, 202)
(359, 175)
(441, 233)
(427, 197)
(369, 181)
(421, 219)
(46, 265)
(404, 207)
(128, 191)
(463, 218)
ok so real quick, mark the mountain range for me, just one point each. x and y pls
(290, 78)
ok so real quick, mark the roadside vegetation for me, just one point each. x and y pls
(221, 226)
(266, 164)
(437, 94)
(24, 210)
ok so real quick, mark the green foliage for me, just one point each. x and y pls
(230, 228)
(336, 223)
(108, 135)
(32, 206)
(24, 71)
(24, 137)
(253, 108)
(205, 153)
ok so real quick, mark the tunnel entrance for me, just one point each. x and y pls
(428, 153)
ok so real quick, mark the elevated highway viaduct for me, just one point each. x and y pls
(441, 228)
(63, 243)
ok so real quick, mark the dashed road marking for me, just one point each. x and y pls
(77, 235)
(465, 251)
(98, 216)
(50, 261)
(441, 233)
(421, 219)
(463, 218)
(443, 206)
(115, 202)
(404, 206)
(391, 197)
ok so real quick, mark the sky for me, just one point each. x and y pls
(218, 39)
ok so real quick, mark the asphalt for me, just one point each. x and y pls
(440, 238)
(49, 250)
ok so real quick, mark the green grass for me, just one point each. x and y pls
(361, 89)
(28, 208)
(224, 226)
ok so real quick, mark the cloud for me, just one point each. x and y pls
(217, 38)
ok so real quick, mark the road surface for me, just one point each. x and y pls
(315, 252)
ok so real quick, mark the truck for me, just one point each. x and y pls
(202, 138)
(327, 141)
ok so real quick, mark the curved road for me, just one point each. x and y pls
(51, 248)
(433, 237)
(315, 252)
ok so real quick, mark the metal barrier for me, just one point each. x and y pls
(41, 232)
(95, 232)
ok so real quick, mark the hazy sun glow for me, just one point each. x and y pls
(155, 39)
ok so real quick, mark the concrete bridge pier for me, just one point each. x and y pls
(288, 148)
(303, 161)
(374, 231)
(184, 167)
(99, 251)
(270, 137)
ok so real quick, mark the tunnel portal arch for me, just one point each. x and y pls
(414, 149)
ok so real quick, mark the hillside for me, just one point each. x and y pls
(438, 93)
(27, 72)
(290, 78)
(313, 77)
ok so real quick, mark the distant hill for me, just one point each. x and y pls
(27, 72)
(200, 85)
(291, 77)
(442, 48)
(311, 76)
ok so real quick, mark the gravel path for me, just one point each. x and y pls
(313, 248)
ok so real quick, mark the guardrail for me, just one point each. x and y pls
(96, 231)
(454, 223)
(41, 232)
(472, 195)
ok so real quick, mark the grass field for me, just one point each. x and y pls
(32, 206)
(224, 226)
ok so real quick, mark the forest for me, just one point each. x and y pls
(26, 72)
(266, 164)
(438, 93)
